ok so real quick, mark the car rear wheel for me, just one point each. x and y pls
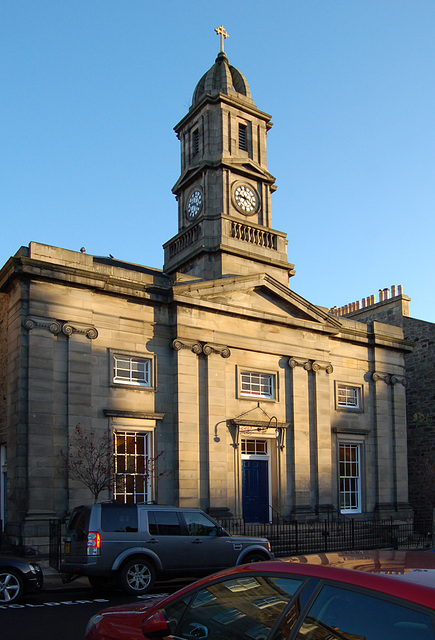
(11, 586)
(137, 576)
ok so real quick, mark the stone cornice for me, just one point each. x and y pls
(56, 327)
(197, 347)
(121, 282)
(310, 365)
(142, 415)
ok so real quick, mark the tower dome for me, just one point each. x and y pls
(222, 78)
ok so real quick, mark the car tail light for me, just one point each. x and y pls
(94, 543)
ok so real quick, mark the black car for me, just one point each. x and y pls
(17, 578)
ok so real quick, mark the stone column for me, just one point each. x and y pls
(217, 455)
(323, 427)
(187, 371)
(384, 449)
(301, 435)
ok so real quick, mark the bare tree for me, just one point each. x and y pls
(89, 459)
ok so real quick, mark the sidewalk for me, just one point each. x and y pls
(53, 579)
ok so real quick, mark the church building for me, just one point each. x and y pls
(238, 394)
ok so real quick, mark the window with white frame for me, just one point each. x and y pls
(132, 467)
(132, 370)
(348, 397)
(257, 385)
(350, 477)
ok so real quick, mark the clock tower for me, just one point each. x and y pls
(224, 190)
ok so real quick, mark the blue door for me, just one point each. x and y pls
(255, 490)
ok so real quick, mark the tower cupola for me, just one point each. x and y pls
(224, 188)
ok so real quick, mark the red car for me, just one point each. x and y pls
(383, 595)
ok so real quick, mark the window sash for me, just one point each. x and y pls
(260, 385)
(132, 467)
(350, 477)
(348, 396)
(134, 371)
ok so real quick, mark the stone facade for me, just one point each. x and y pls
(392, 307)
(232, 382)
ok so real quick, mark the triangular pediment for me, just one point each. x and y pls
(258, 296)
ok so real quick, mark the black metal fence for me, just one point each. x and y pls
(295, 538)
(55, 543)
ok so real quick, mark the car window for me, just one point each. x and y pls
(164, 523)
(120, 517)
(338, 614)
(234, 609)
(79, 522)
(198, 524)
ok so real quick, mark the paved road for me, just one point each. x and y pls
(61, 612)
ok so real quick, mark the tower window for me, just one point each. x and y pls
(243, 137)
(195, 142)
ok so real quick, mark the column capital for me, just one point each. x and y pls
(299, 362)
(310, 365)
(183, 343)
(222, 350)
(68, 328)
(30, 322)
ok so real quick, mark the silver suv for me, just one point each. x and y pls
(134, 545)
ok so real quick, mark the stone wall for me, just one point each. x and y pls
(420, 391)
(420, 372)
(3, 366)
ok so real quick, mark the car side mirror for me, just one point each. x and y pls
(156, 626)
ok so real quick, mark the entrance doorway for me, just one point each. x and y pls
(255, 480)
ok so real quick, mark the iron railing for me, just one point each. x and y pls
(294, 538)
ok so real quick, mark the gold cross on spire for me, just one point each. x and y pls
(223, 34)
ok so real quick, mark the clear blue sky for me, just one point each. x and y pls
(91, 91)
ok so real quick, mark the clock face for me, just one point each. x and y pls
(194, 204)
(246, 199)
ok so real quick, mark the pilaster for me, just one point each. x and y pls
(400, 441)
(384, 442)
(217, 462)
(322, 370)
(187, 384)
(301, 435)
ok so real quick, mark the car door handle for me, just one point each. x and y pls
(197, 541)
(152, 540)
